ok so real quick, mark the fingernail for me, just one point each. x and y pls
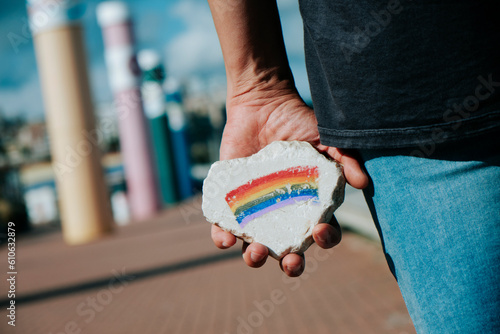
(321, 237)
(256, 257)
(326, 238)
(294, 269)
(225, 244)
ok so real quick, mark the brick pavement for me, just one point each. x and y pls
(165, 276)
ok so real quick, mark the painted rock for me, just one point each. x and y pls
(274, 197)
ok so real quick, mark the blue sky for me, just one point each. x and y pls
(181, 30)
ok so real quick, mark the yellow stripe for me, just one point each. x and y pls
(280, 183)
(272, 187)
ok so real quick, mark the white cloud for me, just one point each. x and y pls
(293, 34)
(25, 99)
(99, 83)
(291, 23)
(288, 4)
(197, 49)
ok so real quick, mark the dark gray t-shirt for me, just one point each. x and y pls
(402, 73)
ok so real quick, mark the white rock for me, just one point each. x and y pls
(274, 197)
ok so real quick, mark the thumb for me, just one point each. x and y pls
(353, 171)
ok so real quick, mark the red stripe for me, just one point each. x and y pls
(291, 172)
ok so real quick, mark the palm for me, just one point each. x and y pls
(255, 123)
(253, 127)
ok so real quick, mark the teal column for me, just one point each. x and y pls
(180, 140)
(154, 107)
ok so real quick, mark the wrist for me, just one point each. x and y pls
(262, 87)
(256, 77)
(267, 111)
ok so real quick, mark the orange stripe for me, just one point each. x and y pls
(242, 198)
(246, 198)
(297, 174)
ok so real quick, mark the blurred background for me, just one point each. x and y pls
(183, 36)
(110, 117)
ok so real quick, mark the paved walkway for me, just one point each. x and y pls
(165, 276)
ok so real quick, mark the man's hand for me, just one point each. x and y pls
(255, 120)
(263, 106)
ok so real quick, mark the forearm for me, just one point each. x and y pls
(252, 45)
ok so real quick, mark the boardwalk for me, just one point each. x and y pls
(165, 276)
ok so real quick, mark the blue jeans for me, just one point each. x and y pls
(438, 214)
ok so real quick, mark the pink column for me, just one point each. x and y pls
(124, 74)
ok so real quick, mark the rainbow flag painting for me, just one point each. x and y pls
(271, 192)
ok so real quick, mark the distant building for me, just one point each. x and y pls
(40, 193)
(32, 141)
(107, 127)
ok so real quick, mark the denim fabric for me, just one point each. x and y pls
(439, 220)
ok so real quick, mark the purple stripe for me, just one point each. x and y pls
(273, 207)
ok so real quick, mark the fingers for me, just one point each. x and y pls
(293, 264)
(354, 174)
(353, 171)
(255, 254)
(326, 235)
(221, 238)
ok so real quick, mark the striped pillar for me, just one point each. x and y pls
(124, 77)
(154, 107)
(60, 52)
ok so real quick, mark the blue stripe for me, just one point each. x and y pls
(276, 199)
